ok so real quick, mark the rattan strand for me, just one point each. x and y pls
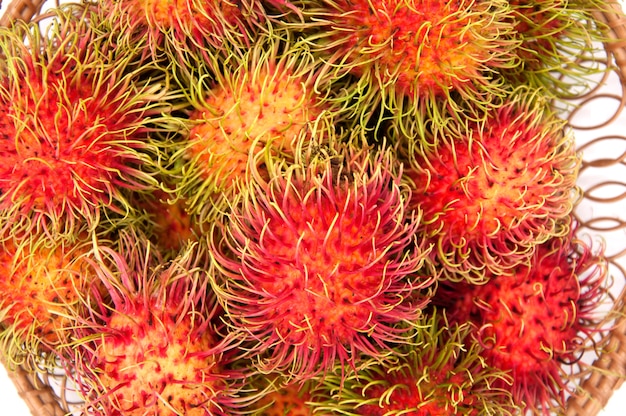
(20, 9)
(600, 385)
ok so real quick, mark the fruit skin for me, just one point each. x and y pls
(439, 373)
(42, 279)
(417, 59)
(493, 190)
(319, 263)
(151, 344)
(75, 125)
(539, 321)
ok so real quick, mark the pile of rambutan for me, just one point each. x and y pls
(305, 207)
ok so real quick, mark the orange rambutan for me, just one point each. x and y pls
(263, 101)
(41, 283)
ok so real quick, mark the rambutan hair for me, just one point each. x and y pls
(267, 97)
(75, 124)
(441, 372)
(538, 322)
(491, 191)
(319, 262)
(151, 340)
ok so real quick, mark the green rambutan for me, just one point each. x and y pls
(439, 373)
(265, 99)
(151, 346)
(320, 263)
(419, 58)
(74, 125)
(41, 281)
(495, 189)
(537, 321)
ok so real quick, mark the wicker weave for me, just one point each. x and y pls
(43, 400)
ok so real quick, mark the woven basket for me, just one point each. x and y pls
(47, 394)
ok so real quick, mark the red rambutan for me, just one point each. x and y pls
(537, 320)
(74, 125)
(320, 263)
(494, 190)
(436, 53)
(153, 347)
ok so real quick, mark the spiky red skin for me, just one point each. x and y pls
(67, 149)
(150, 343)
(491, 195)
(532, 322)
(319, 268)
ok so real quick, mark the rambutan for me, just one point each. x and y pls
(494, 190)
(153, 348)
(439, 373)
(186, 32)
(320, 263)
(419, 58)
(74, 129)
(536, 321)
(265, 99)
(41, 281)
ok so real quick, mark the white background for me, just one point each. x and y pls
(12, 405)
